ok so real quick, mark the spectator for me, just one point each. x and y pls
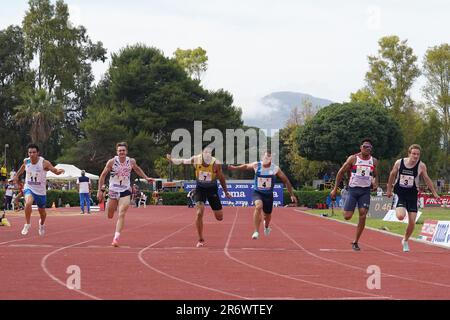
(326, 178)
(379, 192)
(190, 197)
(84, 186)
(3, 174)
(135, 195)
(155, 197)
(9, 195)
(12, 174)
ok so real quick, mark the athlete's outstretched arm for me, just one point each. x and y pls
(139, 171)
(428, 181)
(49, 167)
(284, 178)
(242, 167)
(391, 179)
(345, 167)
(180, 161)
(101, 180)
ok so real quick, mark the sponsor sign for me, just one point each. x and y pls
(442, 233)
(428, 229)
(379, 206)
(430, 201)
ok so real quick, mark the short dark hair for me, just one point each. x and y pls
(366, 140)
(122, 144)
(33, 146)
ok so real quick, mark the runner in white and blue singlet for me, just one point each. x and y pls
(363, 179)
(119, 190)
(35, 189)
(265, 173)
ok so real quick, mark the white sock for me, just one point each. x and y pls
(117, 235)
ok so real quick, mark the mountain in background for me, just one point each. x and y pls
(276, 108)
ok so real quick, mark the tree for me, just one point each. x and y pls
(143, 98)
(392, 73)
(299, 115)
(62, 54)
(15, 78)
(436, 68)
(193, 61)
(429, 140)
(336, 131)
(299, 170)
(364, 96)
(41, 112)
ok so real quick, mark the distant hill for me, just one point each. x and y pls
(276, 108)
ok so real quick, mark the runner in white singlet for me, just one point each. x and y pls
(119, 192)
(363, 179)
(36, 168)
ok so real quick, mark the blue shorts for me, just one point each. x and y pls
(357, 195)
(40, 201)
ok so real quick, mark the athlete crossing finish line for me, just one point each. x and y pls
(363, 175)
(207, 171)
(35, 189)
(119, 191)
(265, 173)
(406, 173)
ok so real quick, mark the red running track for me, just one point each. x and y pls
(305, 257)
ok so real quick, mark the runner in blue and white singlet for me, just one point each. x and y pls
(36, 168)
(36, 180)
(265, 173)
(264, 184)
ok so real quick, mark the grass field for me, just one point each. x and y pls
(394, 227)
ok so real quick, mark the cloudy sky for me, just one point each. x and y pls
(256, 47)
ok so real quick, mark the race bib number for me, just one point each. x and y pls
(363, 171)
(205, 176)
(264, 183)
(406, 181)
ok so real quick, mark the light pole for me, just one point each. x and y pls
(6, 146)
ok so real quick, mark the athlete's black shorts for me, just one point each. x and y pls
(267, 200)
(208, 193)
(117, 195)
(410, 204)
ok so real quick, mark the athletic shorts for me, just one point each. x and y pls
(357, 195)
(409, 204)
(39, 200)
(209, 193)
(114, 195)
(267, 200)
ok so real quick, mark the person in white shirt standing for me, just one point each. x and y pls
(36, 168)
(84, 188)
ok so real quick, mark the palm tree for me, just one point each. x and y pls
(41, 111)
